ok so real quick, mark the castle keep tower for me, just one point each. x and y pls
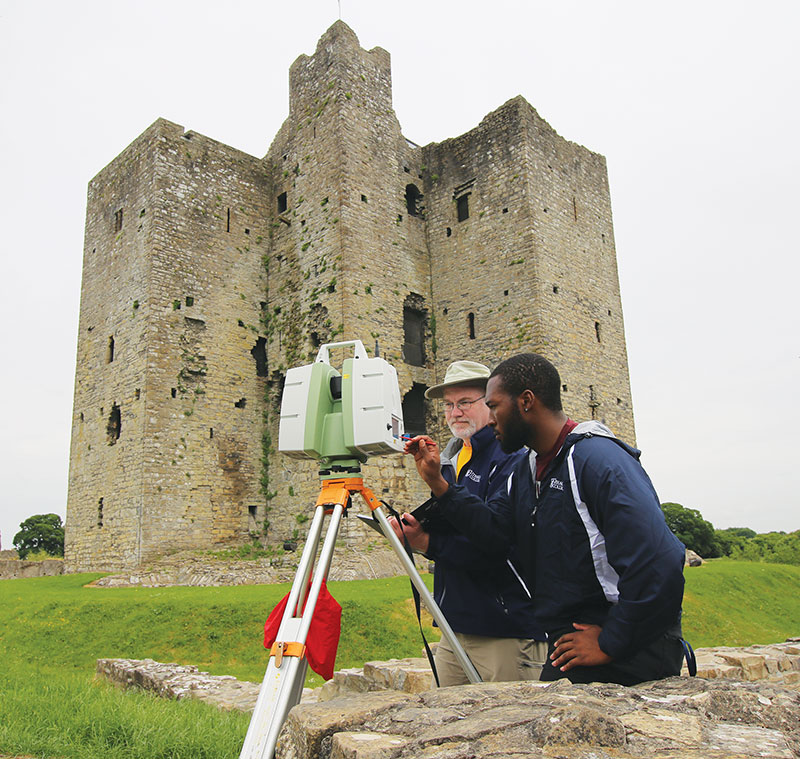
(209, 272)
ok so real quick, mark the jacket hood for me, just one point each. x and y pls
(594, 428)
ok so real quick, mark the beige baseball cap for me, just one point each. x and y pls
(460, 373)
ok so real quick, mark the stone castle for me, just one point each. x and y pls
(207, 272)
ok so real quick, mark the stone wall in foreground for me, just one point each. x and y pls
(686, 718)
(744, 703)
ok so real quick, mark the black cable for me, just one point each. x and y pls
(415, 593)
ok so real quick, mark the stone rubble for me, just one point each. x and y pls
(179, 681)
(197, 568)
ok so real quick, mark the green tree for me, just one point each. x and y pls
(41, 532)
(773, 547)
(733, 539)
(691, 529)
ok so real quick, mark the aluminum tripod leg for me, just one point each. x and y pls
(427, 598)
(283, 683)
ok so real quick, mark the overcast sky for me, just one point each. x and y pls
(694, 105)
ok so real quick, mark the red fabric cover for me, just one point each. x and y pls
(323, 633)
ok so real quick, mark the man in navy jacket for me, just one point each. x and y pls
(482, 597)
(605, 571)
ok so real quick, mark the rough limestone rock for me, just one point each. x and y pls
(693, 559)
(409, 675)
(678, 718)
(779, 662)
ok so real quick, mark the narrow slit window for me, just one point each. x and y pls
(593, 402)
(259, 353)
(100, 513)
(118, 221)
(597, 330)
(228, 225)
(114, 426)
(110, 351)
(471, 325)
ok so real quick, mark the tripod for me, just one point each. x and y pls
(283, 682)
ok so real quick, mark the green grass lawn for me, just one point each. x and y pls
(736, 603)
(52, 630)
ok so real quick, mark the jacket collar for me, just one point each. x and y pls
(592, 428)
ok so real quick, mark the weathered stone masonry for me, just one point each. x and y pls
(209, 272)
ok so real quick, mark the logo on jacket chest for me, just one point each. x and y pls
(556, 484)
(472, 475)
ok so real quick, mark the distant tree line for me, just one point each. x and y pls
(701, 537)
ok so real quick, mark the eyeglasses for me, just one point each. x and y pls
(461, 405)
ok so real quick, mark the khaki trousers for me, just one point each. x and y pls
(496, 659)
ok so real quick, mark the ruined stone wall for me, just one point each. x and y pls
(575, 285)
(208, 273)
(105, 496)
(14, 569)
(481, 281)
(172, 274)
(344, 253)
(531, 266)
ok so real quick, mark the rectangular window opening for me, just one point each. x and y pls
(118, 220)
(462, 207)
(471, 325)
(414, 409)
(413, 336)
(114, 426)
(282, 203)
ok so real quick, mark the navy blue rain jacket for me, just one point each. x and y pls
(479, 594)
(593, 543)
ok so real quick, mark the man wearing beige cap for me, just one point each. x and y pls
(484, 600)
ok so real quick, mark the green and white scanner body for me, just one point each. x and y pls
(341, 418)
